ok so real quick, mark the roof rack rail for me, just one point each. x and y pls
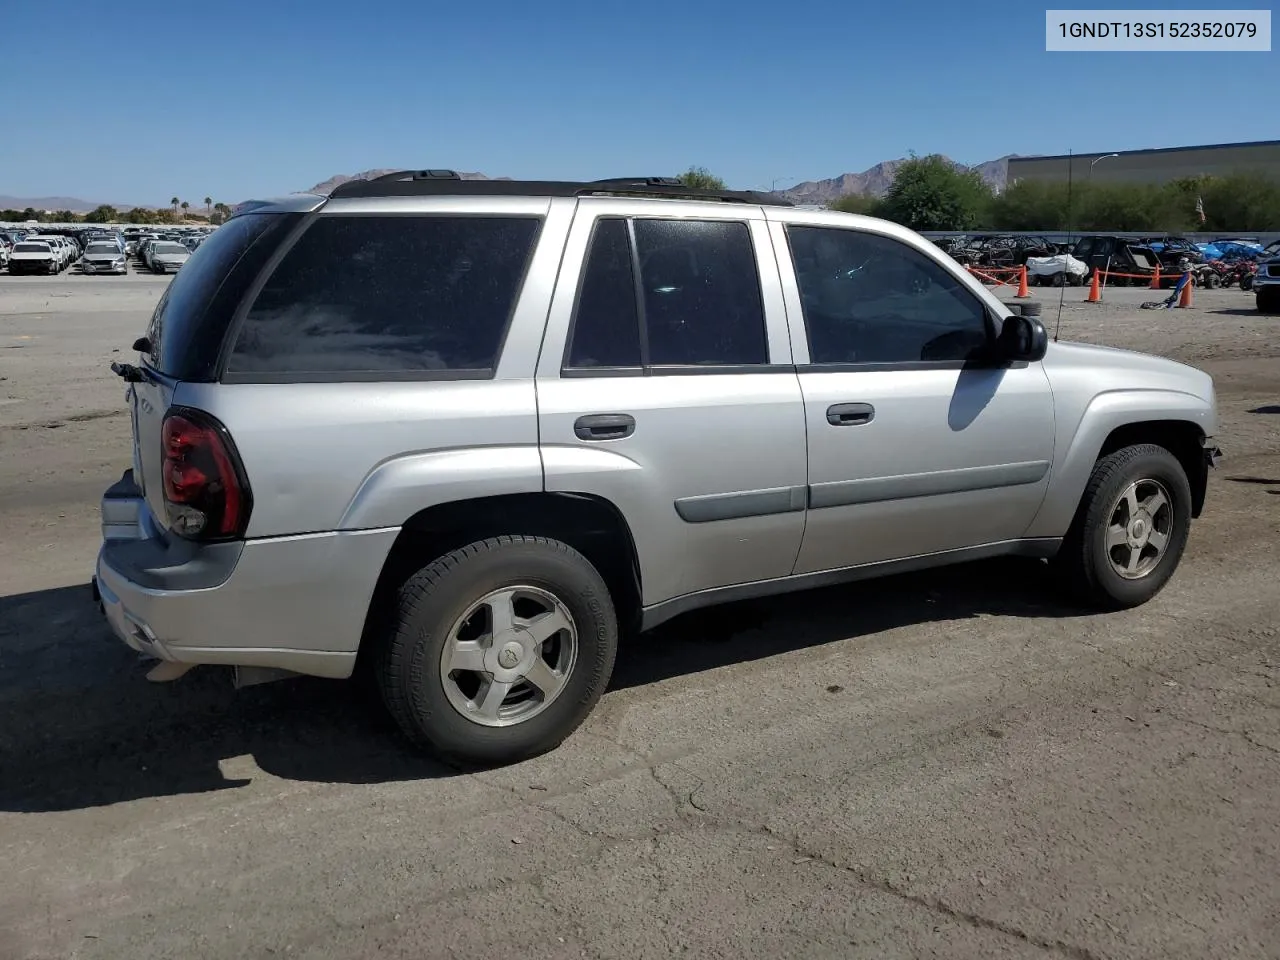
(415, 175)
(417, 183)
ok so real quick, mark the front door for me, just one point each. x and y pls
(913, 449)
(665, 387)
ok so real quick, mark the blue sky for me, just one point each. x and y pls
(240, 99)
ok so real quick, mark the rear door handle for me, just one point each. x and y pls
(605, 426)
(850, 414)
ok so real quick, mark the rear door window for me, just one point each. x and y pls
(660, 293)
(391, 297)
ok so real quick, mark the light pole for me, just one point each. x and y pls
(773, 186)
(1106, 157)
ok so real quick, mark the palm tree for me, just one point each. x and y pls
(208, 206)
(185, 207)
(174, 203)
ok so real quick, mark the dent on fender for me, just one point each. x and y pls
(400, 487)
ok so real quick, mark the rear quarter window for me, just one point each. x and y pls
(191, 321)
(387, 297)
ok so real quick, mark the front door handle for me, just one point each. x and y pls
(604, 426)
(850, 414)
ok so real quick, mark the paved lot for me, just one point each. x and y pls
(951, 765)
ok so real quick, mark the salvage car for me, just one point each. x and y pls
(34, 256)
(104, 256)
(166, 256)
(469, 433)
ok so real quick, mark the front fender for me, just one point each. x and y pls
(398, 488)
(1105, 413)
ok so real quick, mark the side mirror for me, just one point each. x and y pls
(1022, 338)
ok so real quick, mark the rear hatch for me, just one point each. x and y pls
(184, 339)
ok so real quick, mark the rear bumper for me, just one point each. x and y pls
(293, 603)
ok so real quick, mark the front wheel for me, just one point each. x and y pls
(499, 650)
(1130, 529)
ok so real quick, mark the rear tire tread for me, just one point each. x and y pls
(398, 671)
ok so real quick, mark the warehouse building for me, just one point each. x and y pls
(1152, 166)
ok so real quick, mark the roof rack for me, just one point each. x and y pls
(418, 183)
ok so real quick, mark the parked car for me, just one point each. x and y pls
(34, 256)
(1118, 255)
(104, 256)
(1266, 285)
(166, 256)
(473, 431)
(61, 249)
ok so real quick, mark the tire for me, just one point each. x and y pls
(1086, 564)
(1246, 282)
(1210, 280)
(437, 709)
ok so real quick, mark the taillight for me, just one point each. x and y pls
(206, 495)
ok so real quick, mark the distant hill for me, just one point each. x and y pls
(326, 187)
(875, 181)
(74, 204)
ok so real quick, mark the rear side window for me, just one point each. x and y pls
(669, 293)
(387, 297)
(190, 322)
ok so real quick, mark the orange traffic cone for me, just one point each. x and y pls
(1155, 278)
(1095, 291)
(1023, 289)
(1186, 299)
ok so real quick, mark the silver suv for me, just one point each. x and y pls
(468, 432)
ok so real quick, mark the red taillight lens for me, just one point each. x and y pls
(205, 492)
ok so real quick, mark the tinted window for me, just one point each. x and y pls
(31, 248)
(702, 302)
(606, 324)
(190, 321)
(387, 295)
(873, 299)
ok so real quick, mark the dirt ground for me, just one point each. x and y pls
(947, 765)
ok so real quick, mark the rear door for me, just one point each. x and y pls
(665, 386)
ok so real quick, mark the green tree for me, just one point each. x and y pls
(931, 193)
(30, 213)
(863, 203)
(64, 216)
(10, 215)
(701, 178)
(102, 214)
(208, 206)
(1030, 205)
(185, 207)
(173, 202)
(140, 215)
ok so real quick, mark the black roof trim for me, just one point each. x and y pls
(437, 183)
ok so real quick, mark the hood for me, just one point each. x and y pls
(1128, 369)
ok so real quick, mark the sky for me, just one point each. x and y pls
(135, 102)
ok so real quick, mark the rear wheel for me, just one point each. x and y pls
(499, 650)
(1130, 529)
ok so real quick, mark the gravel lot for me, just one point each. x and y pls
(951, 765)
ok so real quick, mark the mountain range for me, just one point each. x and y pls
(874, 181)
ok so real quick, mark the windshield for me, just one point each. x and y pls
(103, 248)
(170, 248)
(32, 248)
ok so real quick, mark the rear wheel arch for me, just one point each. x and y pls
(592, 525)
